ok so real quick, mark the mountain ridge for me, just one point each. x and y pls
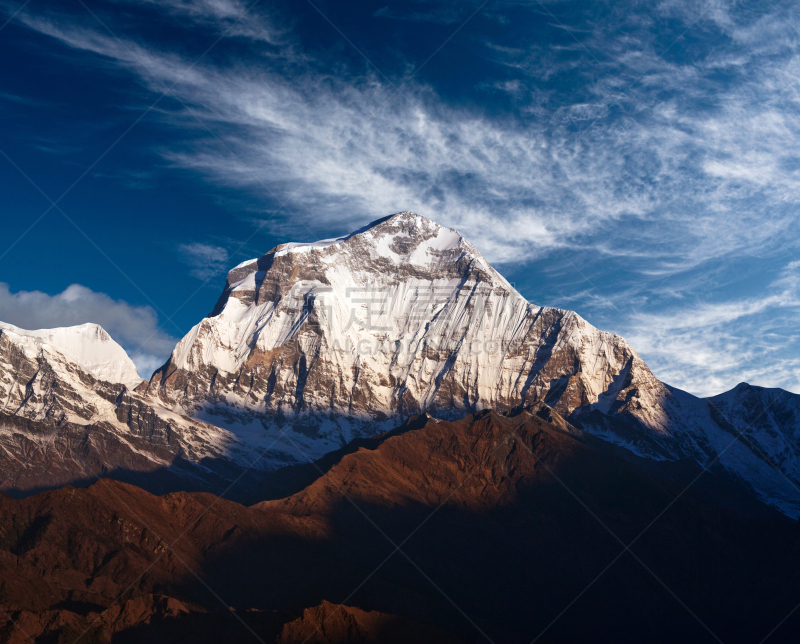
(320, 343)
(492, 506)
(61, 424)
(314, 345)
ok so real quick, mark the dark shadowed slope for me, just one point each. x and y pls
(502, 522)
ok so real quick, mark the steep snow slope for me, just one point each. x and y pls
(767, 421)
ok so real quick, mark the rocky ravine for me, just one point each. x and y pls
(315, 344)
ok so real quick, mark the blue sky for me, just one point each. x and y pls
(637, 162)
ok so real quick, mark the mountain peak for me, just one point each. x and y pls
(343, 337)
(399, 235)
(381, 254)
(409, 222)
(406, 229)
(87, 345)
(406, 224)
(403, 217)
(399, 317)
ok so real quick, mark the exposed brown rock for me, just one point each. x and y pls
(336, 624)
(477, 505)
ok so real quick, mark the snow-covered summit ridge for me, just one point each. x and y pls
(87, 345)
(283, 249)
(403, 238)
(401, 316)
(381, 254)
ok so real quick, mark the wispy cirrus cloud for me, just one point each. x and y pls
(707, 346)
(204, 260)
(342, 152)
(232, 18)
(653, 146)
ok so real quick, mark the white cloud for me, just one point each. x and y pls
(205, 260)
(341, 153)
(229, 17)
(134, 327)
(707, 348)
(659, 167)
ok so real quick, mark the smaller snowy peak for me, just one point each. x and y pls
(746, 389)
(87, 345)
(764, 401)
(752, 410)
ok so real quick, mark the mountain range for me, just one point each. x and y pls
(313, 345)
(396, 369)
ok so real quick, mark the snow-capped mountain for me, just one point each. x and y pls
(766, 420)
(323, 342)
(316, 344)
(88, 346)
(69, 414)
(313, 345)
